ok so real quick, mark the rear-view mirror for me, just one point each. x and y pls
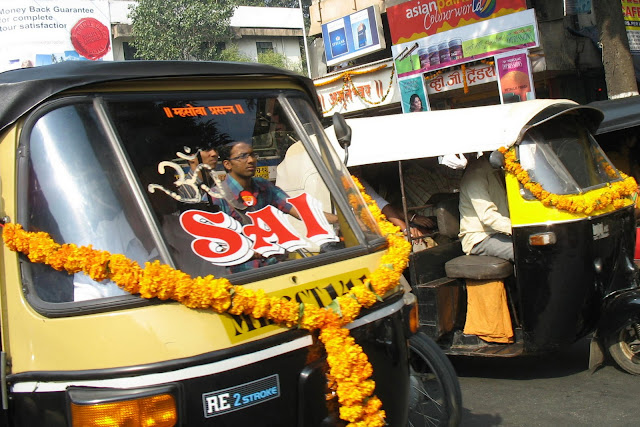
(342, 130)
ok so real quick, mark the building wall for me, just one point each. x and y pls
(288, 46)
(283, 26)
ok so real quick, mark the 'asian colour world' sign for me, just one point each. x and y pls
(416, 19)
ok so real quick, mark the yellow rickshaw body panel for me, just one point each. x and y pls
(156, 333)
(529, 212)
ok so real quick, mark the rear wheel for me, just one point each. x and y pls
(624, 348)
(434, 396)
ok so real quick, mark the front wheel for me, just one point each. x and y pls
(624, 347)
(435, 398)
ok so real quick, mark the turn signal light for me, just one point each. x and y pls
(543, 239)
(411, 312)
(413, 319)
(156, 411)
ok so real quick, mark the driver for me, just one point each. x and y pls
(247, 192)
(485, 227)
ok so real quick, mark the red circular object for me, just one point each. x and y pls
(90, 38)
(248, 198)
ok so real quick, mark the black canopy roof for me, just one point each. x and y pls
(619, 113)
(23, 89)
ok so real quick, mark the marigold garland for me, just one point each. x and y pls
(582, 203)
(349, 374)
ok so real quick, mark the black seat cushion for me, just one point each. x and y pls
(478, 267)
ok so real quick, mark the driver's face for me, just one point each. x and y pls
(242, 161)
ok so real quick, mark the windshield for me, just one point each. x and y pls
(564, 157)
(210, 184)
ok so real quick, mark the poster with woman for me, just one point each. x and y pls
(414, 95)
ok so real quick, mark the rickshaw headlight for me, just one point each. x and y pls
(97, 408)
(543, 239)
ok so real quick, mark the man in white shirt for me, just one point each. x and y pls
(485, 227)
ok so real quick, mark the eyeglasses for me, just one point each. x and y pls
(245, 156)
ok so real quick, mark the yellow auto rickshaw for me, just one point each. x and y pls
(138, 286)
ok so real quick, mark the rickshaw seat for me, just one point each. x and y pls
(478, 267)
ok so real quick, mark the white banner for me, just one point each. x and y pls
(364, 88)
(43, 32)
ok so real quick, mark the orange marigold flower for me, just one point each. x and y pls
(95, 265)
(243, 301)
(125, 273)
(40, 245)
(351, 413)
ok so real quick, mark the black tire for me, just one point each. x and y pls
(624, 348)
(435, 398)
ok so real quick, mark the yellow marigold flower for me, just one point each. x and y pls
(349, 307)
(95, 265)
(375, 420)
(261, 308)
(243, 301)
(9, 235)
(152, 279)
(177, 279)
(373, 405)
(125, 273)
(351, 413)
(284, 312)
(76, 257)
(313, 317)
(363, 295)
(40, 245)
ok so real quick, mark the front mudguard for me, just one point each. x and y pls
(617, 312)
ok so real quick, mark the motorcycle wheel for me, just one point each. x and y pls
(435, 398)
(624, 348)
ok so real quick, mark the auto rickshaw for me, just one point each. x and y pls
(619, 137)
(571, 215)
(139, 288)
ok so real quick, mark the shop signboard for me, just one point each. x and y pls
(416, 19)
(370, 87)
(354, 35)
(454, 79)
(42, 32)
(514, 76)
(466, 44)
(631, 11)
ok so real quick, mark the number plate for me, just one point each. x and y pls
(262, 172)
